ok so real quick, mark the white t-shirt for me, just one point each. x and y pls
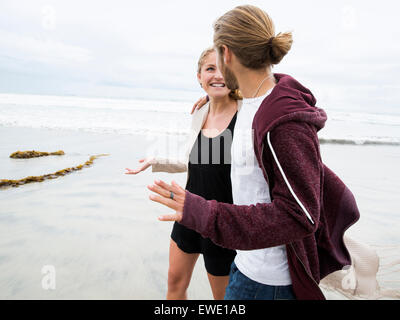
(267, 266)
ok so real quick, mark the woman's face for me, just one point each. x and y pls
(211, 78)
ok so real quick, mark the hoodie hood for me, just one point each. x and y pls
(300, 182)
(288, 101)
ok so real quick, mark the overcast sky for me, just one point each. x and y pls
(344, 50)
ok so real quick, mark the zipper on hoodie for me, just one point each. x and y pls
(291, 244)
(304, 267)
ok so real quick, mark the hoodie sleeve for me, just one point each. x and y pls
(269, 224)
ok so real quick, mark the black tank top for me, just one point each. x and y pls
(210, 166)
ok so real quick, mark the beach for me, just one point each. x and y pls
(100, 232)
(95, 226)
(104, 85)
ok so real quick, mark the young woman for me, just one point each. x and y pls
(290, 211)
(208, 167)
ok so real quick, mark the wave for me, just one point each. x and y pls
(100, 130)
(367, 118)
(154, 132)
(360, 142)
(95, 104)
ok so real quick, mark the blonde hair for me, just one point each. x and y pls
(250, 33)
(235, 93)
(203, 57)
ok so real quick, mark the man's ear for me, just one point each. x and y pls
(226, 54)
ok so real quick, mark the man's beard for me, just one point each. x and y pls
(230, 79)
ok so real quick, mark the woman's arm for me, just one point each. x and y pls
(172, 165)
(168, 165)
(159, 165)
(263, 225)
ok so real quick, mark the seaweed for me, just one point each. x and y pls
(34, 154)
(5, 183)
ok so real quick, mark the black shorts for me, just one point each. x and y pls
(217, 260)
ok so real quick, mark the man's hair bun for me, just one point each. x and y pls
(278, 46)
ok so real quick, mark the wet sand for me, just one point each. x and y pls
(100, 232)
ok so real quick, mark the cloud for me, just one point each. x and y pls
(119, 45)
(41, 50)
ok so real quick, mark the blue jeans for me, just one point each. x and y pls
(241, 287)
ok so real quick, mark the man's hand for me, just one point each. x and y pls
(199, 104)
(171, 196)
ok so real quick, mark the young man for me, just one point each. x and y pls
(290, 211)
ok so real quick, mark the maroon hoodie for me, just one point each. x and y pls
(311, 207)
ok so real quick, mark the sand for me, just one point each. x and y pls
(100, 232)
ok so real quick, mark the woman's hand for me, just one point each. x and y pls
(199, 104)
(146, 164)
(172, 196)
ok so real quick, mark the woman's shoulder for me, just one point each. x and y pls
(200, 112)
(199, 116)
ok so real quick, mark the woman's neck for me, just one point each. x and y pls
(219, 105)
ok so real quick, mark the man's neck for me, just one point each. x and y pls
(254, 83)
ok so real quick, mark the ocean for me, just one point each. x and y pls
(128, 116)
